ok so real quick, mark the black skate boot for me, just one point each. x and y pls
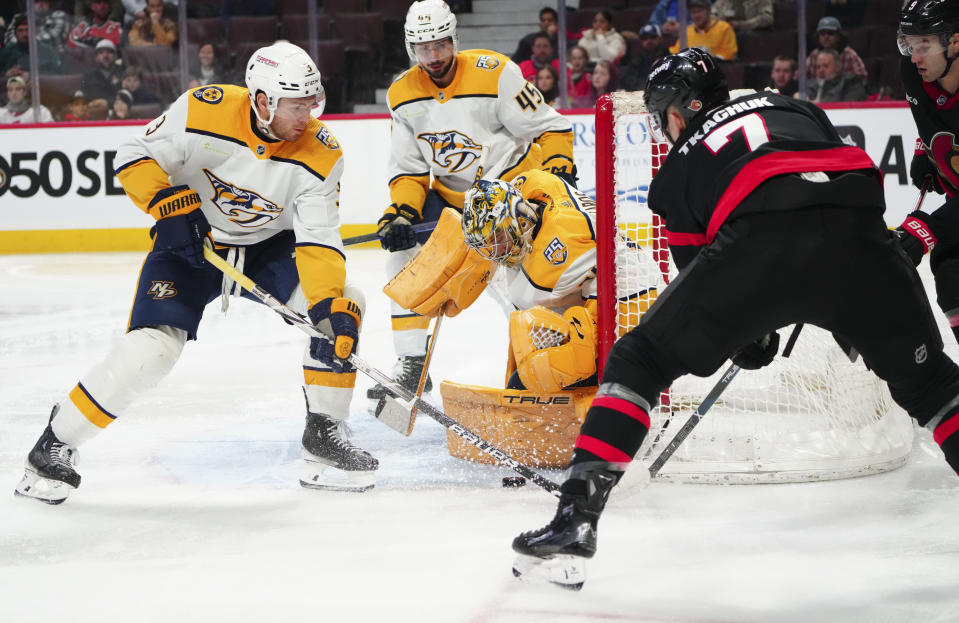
(556, 552)
(49, 475)
(406, 372)
(331, 462)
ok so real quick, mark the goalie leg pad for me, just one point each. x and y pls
(443, 271)
(553, 351)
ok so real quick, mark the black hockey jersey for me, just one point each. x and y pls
(936, 113)
(746, 156)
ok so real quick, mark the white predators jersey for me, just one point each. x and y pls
(251, 188)
(489, 123)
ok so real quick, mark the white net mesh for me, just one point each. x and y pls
(814, 415)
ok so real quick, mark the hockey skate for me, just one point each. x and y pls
(331, 462)
(49, 475)
(406, 372)
(557, 552)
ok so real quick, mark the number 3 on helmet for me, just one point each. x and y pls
(283, 70)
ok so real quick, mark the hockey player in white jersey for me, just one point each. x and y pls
(252, 171)
(457, 117)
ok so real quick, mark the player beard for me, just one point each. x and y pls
(439, 71)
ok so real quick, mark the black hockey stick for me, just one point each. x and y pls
(307, 327)
(418, 228)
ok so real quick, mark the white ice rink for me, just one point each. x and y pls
(190, 509)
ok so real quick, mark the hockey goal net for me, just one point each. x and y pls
(815, 415)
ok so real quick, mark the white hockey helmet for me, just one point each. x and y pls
(282, 70)
(429, 20)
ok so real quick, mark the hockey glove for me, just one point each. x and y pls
(181, 226)
(915, 237)
(395, 228)
(922, 169)
(758, 354)
(339, 318)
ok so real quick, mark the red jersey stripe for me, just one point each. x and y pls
(944, 430)
(602, 449)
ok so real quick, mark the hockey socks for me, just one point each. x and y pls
(947, 436)
(616, 425)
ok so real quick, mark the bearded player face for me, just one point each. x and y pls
(436, 57)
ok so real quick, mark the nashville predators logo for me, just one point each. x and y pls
(452, 150)
(556, 252)
(160, 290)
(243, 207)
(210, 95)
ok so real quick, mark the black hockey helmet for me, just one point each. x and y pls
(928, 17)
(691, 81)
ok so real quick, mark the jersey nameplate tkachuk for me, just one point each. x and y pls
(721, 115)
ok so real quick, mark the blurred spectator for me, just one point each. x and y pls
(77, 108)
(548, 21)
(102, 82)
(602, 42)
(745, 15)
(81, 9)
(850, 12)
(547, 81)
(18, 109)
(52, 27)
(133, 82)
(258, 7)
(15, 57)
(122, 102)
(830, 84)
(782, 76)
(96, 26)
(706, 32)
(136, 9)
(153, 28)
(206, 68)
(542, 56)
(605, 80)
(636, 71)
(666, 16)
(580, 81)
(830, 37)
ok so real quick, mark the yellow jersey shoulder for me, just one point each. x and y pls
(316, 149)
(477, 74)
(222, 109)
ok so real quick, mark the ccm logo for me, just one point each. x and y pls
(538, 400)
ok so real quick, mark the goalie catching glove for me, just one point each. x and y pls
(553, 351)
(338, 318)
(181, 226)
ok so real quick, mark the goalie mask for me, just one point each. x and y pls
(691, 81)
(497, 221)
(283, 70)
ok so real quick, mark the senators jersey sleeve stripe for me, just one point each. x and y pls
(680, 238)
(778, 163)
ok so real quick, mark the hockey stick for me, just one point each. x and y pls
(303, 324)
(400, 415)
(419, 227)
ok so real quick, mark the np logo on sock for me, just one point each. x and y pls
(162, 290)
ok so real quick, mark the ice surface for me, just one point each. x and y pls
(190, 508)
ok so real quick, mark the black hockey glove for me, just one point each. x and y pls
(181, 226)
(395, 228)
(758, 354)
(921, 170)
(338, 318)
(915, 237)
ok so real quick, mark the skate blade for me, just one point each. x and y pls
(35, 486)
(315, 475)
(561, 570)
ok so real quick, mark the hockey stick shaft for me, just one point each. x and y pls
(426, 362)
(418, 228)
(694, 419)
(307, 327)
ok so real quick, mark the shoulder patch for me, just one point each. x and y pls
(487, 62)
(210, 95)
(556, 252)
(325, 137)
(155, 125)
